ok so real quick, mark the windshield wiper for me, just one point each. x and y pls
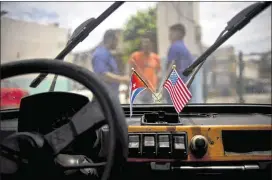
(235, 24)
(78, 36)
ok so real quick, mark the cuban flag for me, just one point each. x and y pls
(136, 87)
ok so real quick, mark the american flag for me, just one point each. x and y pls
(177, 90)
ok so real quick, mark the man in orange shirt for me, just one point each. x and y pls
(147, 64)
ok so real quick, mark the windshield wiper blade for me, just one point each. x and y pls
(234, 25)
(90, 26)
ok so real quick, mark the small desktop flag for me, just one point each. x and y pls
(178, 91)
(136, 87)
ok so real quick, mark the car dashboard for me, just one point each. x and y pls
(217, 138)
(202, 140)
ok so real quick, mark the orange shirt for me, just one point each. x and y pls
(147, 66)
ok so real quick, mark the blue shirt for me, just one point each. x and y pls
(179, 53)
(102, 62)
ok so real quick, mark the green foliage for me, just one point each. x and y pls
(137, 25)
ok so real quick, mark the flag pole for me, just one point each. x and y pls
(133, 70)
(170, 71)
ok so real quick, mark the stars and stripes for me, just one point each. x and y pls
(177, 90)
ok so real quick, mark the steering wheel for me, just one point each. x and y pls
(46, 147)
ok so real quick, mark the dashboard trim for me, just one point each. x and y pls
(213, 133)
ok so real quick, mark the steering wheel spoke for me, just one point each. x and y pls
(88, 117)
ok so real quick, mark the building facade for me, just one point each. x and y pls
(187, 13)
(220, 73)
(170, 13)
(28, 40)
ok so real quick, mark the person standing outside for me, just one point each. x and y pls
(178, 52)
(105, 65)
(147, 64)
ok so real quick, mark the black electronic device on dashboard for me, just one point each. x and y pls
(160, 117)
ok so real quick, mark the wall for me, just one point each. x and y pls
(24, 40)
(251, 70)
(27, 40)
(219, 73)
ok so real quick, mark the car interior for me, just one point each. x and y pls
(98, 139)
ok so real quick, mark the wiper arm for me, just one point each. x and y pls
(234, 25)
(72, 43)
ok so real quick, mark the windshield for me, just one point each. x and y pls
(146, 36)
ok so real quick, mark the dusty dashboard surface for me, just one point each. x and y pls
(200, 137)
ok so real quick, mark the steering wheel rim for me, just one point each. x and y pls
(110, 106)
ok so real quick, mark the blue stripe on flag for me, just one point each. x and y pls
(135, 93)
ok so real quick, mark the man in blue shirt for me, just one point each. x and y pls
(178, 53)
(105, 65)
